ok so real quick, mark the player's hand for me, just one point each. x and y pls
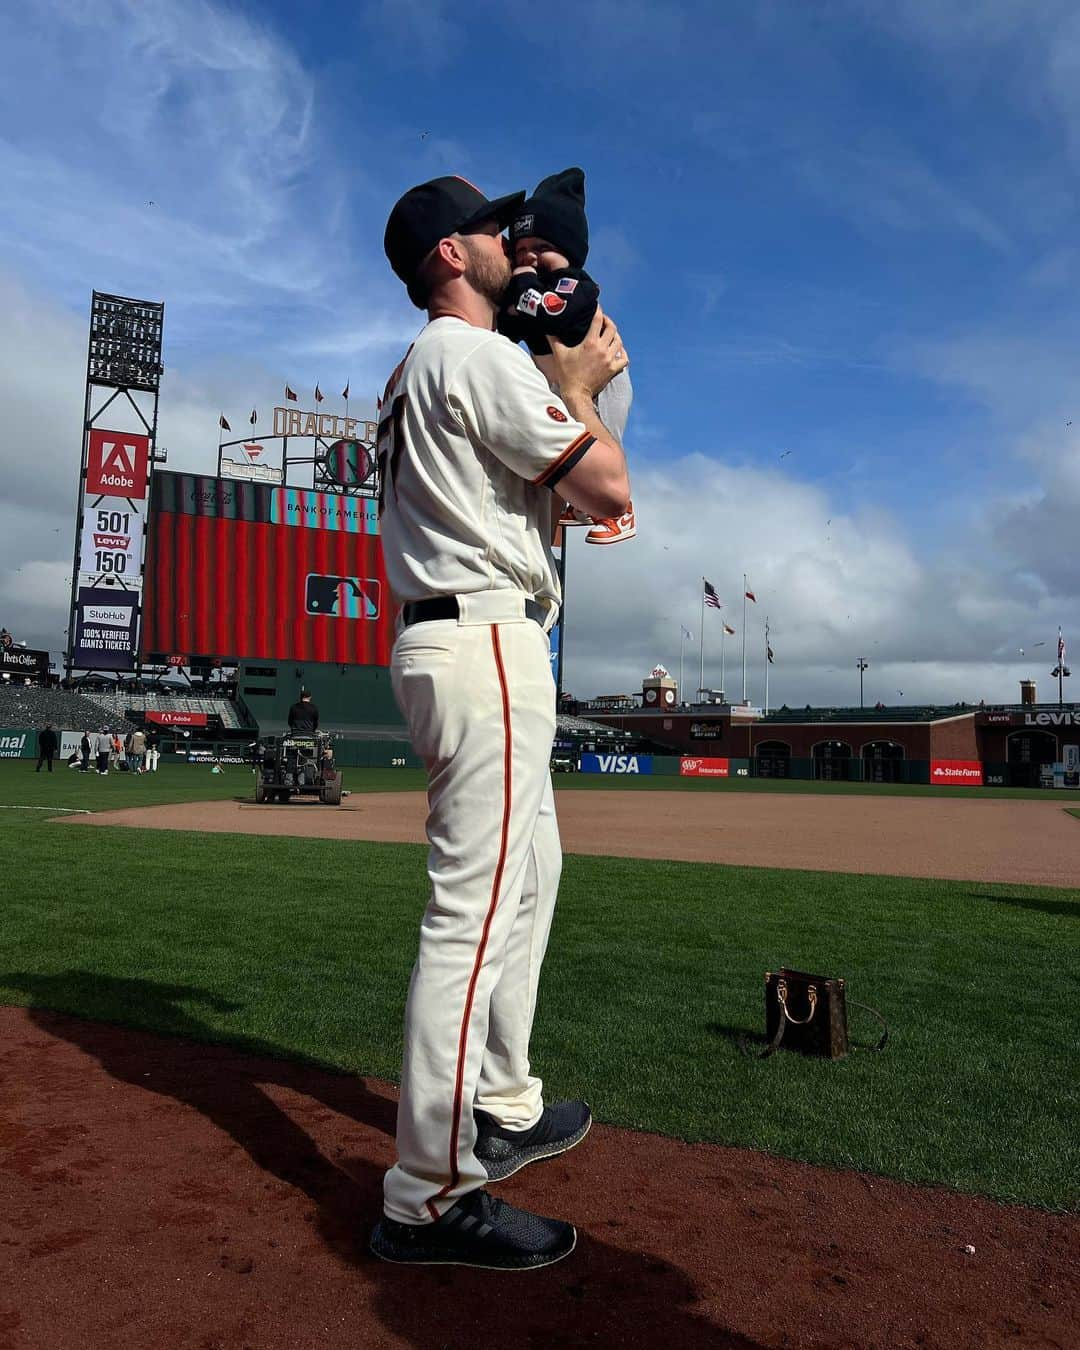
(594, 362)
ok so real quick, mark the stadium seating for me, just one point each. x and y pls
(24, 706)
(117, 703)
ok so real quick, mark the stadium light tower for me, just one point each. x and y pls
(863, 664)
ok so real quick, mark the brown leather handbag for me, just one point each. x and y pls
(808, 1013)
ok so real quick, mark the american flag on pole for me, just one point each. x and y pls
(290, 395)
(711, 598)
(318, 394)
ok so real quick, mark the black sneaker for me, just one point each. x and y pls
(478, 1231)
(504, 1152)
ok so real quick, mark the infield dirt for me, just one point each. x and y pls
(158, 1194)
(1029, 842)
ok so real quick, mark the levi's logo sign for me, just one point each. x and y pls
(116, 542)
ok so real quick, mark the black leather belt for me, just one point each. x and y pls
(447, 607)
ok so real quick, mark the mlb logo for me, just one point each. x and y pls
(566, 285)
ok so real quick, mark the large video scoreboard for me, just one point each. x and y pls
(239, 570)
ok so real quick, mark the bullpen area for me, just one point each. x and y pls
(203, 1022)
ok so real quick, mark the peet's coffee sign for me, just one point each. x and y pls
(15, 661)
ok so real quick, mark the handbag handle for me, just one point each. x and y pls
(811, 994)
(781, 998)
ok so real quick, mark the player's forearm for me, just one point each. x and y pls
(600, 483)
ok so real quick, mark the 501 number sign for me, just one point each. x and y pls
(112, 540)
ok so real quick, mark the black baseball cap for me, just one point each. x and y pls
(433, 210)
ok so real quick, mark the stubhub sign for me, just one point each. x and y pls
(616, 764)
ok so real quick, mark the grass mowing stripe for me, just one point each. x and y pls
(303, 948)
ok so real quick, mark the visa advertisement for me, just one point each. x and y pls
(620, 764)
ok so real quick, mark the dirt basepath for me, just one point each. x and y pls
(1028, 842)
(159, 1194)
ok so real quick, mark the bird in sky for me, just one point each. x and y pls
(424, 135)
(784, 454)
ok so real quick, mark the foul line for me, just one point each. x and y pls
(56, 810)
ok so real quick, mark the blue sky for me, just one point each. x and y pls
(839, 238)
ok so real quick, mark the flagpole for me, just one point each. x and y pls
(723, 634)
(766, 665)
(701, 672)
(682, 649)
(744, 637)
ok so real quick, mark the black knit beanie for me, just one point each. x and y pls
(556, 212)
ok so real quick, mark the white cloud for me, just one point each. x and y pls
(940, 625)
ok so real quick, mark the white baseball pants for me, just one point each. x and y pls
(479, 701)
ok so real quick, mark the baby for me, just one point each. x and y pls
(550, 295)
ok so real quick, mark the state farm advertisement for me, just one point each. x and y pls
(112, 540)
(957, 772)
(176, 719)
(693, 767)
(117, 464)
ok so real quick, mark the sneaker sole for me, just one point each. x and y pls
(614, 539)
(537, 1262)
(536, 1153)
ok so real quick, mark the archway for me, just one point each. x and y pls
(772, 759)
(832, 761)
(1025, 752)
(883, 762)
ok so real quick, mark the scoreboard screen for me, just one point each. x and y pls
(238, 570)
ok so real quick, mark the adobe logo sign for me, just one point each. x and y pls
(117, 464)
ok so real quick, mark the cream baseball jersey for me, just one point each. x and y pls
(471, 443)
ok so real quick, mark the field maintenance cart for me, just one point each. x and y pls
(296, 766)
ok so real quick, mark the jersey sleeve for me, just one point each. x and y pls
(506, 407)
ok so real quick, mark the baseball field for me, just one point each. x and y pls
(201, 1023)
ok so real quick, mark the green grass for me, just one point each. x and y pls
(1071, 812)
(674, 783)
(302, 948)
(68, 789)
(182, 783)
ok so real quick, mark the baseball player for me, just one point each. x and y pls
(472, 445)
(550, 295)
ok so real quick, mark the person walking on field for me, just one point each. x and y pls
(472, 447)
(85, 749)
(103, 749)
(47, 746)
(136, 751)
(153, 749)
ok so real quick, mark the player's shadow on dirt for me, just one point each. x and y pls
(225, 1083)
(602, 1295)
(1060, 909)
